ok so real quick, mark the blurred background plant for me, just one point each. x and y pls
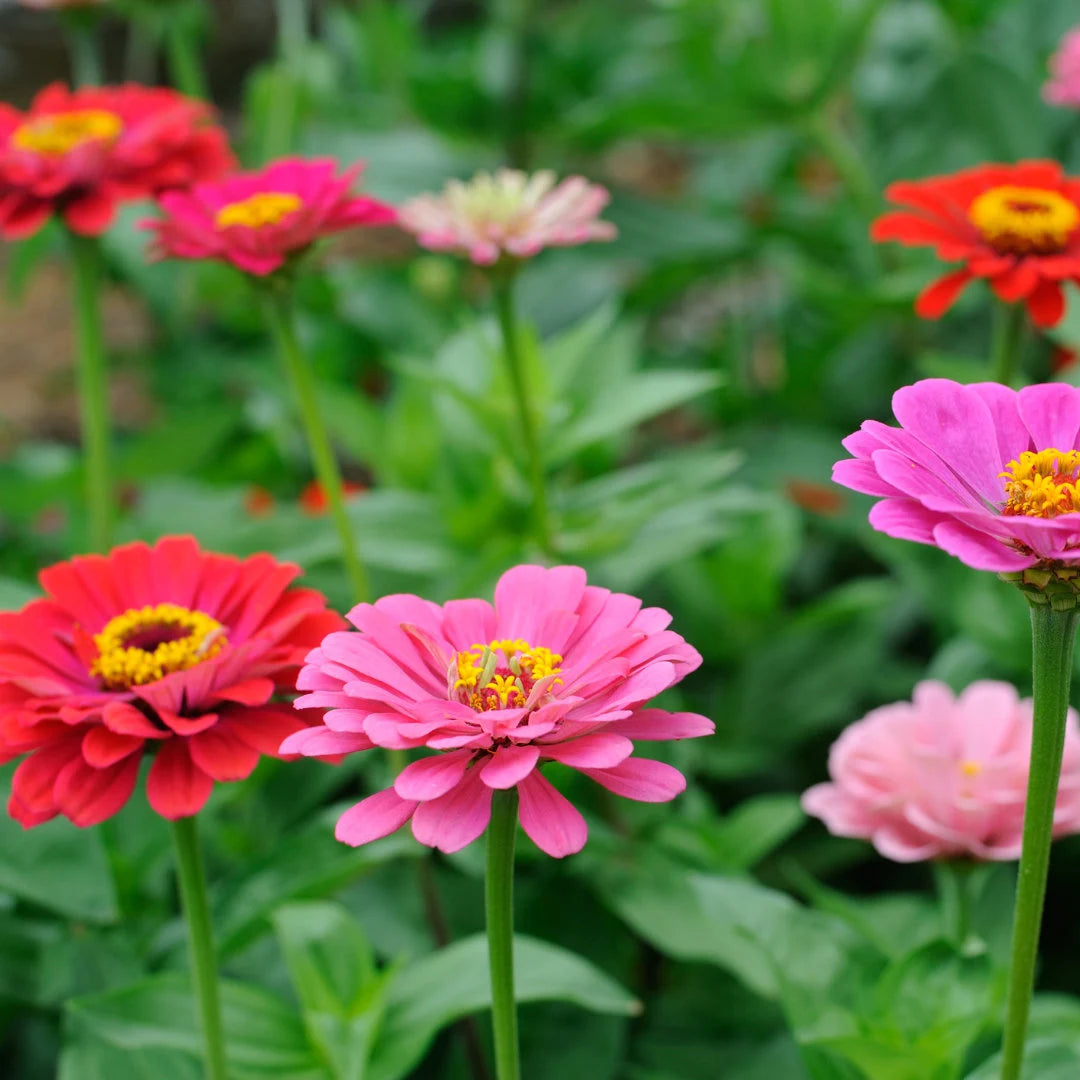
(692, 382)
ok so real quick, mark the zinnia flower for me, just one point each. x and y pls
(258, 220)
(988, 474)
(556, 671)
(1017, 226)
(510, 213)
(942, 776)
(163, 650)
(79, 153)
(1063, 87)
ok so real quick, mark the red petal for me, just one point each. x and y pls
(250, 692)
(88, 796)
(91, 215)
(102, 747)
(176, 786)
(1046, 305)
(221, 755)
(938, 297)
(125, 719)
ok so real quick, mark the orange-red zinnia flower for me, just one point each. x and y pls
(79, 153)
(163, 650)
(1017, 226)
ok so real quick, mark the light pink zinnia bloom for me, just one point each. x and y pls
(1063, 86)
(557, 671)
(509, 213)
(942, 776)
(258, 220)
(986, 473)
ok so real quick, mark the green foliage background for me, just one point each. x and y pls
(695, 378)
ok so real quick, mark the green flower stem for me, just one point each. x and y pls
(182, 49)
(279, 316)
(189, 867)
(1005, 350)
(839, 150)
(953, 877)
(1053, 633)
(504, 306)
(499, 906)
(93, 388)
(84, 47)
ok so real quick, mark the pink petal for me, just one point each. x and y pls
(509, 765)
(433, 776)
(175, 786)
(457, 818)
(322, 742)
(979, 550)
(603, 750)
(641, 779)
(550, 820)
(660, 725)
(373, 818)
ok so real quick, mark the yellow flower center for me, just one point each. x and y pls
(1042, 483)
(502, 674)
(265, 208)
(146, 644)
(1024, 221)
(970, 769)
(59, 133)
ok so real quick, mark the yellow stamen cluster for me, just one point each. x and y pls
(1024, 221)
(265, 208)
(59, 133)
(146, 644)
(970, 769)
(485, 683)
(1042, 483)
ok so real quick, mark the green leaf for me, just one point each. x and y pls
(88, 1058)
(438, 989)
(333, 971)
(59, 867)
(626, 405)
(263, 1036)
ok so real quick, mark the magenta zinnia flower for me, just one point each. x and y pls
(259, 220)
(556, 671)
(166, 651)
(986, 473)
(942, 776)
(1063, 86)
(510, 213)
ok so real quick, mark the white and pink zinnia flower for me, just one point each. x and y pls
(556, 671)
(988, 474)
(942, 776)
(510, 213)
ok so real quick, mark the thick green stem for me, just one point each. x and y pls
(185, 59)
(1053, 633)
(499, 906)
(279, 316)
(953, 877)
(504, 306)
(93, 388)
(1008, 331)
(84, 47)
(189, 868)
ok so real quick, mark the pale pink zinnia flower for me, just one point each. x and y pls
(556, 671)
(942, 776)
(509, 213)
(990, 475)
(1063, 86)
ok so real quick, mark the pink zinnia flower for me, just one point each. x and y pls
(986, 473)
(163, 650)
(258, 220)
(509, 213)
(942, 776)
(80, 152)
(1063, 86)
(556, 671)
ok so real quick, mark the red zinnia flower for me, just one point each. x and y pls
(167, 650)
(1018, 226)
(257, 220)
(80, 152)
